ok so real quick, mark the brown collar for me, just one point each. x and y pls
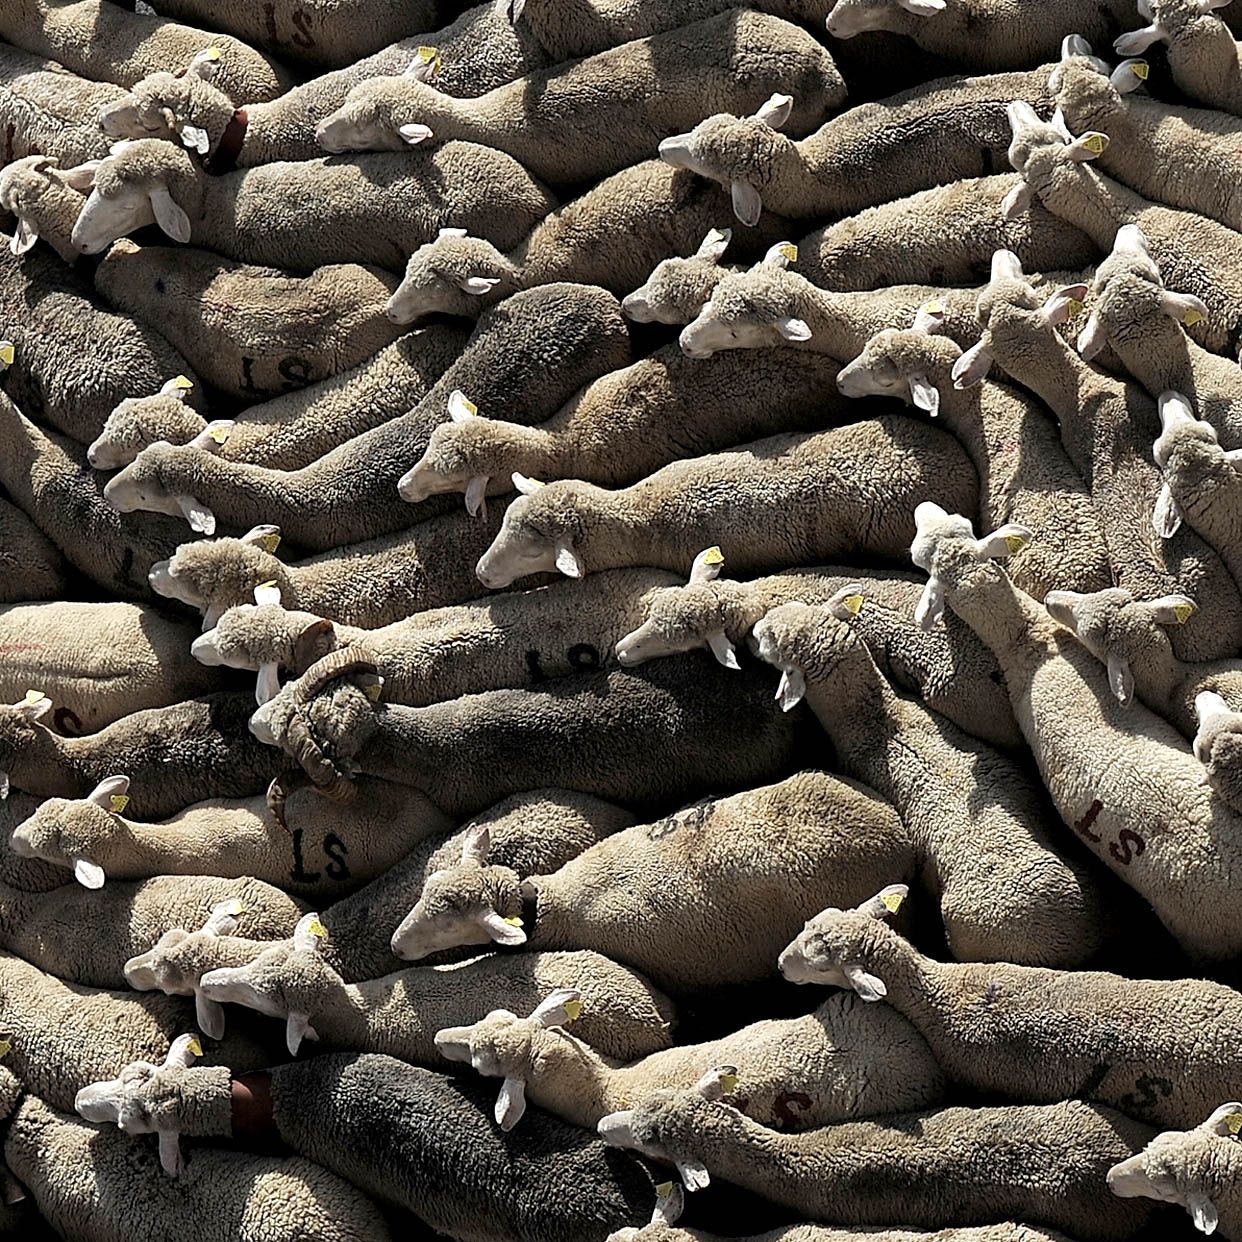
(224, 158)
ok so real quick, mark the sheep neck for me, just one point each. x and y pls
(21, 447)
(380, 1015)
(1210, 64)
(1094, 203)
(914, 987)
(572, 1080)
(841, 323)
(205, 1102)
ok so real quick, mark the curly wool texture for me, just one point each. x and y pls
(1202, 54)
(31, 568)
(1207, 486)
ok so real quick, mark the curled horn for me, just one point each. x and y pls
(336, 664)
(279, 790)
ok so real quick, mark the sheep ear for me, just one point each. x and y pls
(310, 933)
(747, 202)
(168, 215)
(775, 112)
(1170, 609)
(791, 689)
(306, 645)
(197, 514)
(886, 902)
(930, 607)
(88, 874)
(1136, 42)
(510, 1103)
(1092, 339)
(1187, 309)
(923, 8)
(714, 245)
(412, 135)
(527, 487)
(205, 64)
(568, 561)
(222, 921)
(562, 1006)
(1166, 518)
(178, 387)
(722, 649)
(267, 686)
(1120, 679)
(107, 789)
(297, 1028)
(1202, 1211)
(460, 408)
(478, 286)
(209, 1015)
(930, 318)
(183, 1052)
(847, 603)
(476, 495)
(1225, 1121)
(1064, 304)
(81, 178)
(1088, 146)
(500, 930)
(869, 987)
(214, 436)
(972, 367)
(1016, 201)
(265, 537)
(1007, 540)
(476, 845)
(171, 1160)
(924, 394)
(25, 235)
(792, 329)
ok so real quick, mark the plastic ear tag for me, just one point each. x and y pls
(1015, 543)
(713, 556)
(269, 544)
(1074, 308)
(212, 53)
(664, 1189)
(1183, 612)
(7, 353)
(236, 907)
(515, 922)
(1140, 69)
(218, 434)
(374, 689)
(1192, 317)
(1233, 1121)
(194, 1047)
(1095, 143)
(934, 307)
(317, 929)
(854, 604)
(573, 1009)
(728, 1083)
(891, 902)
(117, 803)
(33, 697)
(469, 406)
(789, 251)
(183, 383)
(6, 1046)
(429, 56)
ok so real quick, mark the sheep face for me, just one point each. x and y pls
(463, 456)
(815, 642)
(1087, 97)
(464, 905)
(1197, 471)
(684, 618)
(1218, 746)
(216, 575)
(448, 276)
(539, 534)
(128, 191)
(897, 363)
(252, 635)
(138, 422)
(759, 309)
(678, 289)
(76, 833)
(854, 17)
(150, 109)
(369, 119)
(1188, 23)
(1045, 154)
(45, 200)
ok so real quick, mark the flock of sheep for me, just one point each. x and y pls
(845, 401)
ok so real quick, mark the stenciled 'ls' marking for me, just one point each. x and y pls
(1083, 826)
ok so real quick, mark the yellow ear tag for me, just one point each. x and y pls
(269, 543)
(517, 923)
(1140, 69)
(317, 929)
(728, 1083)
(573, 1009)
(34, 696)
(788, 250)
(1183, 612)
(219, 434)
(266, 586)
(934, 308)
(854, 604)
(184, 384)
(1233, 1122)
(117, 803)
(373, 691)
(6, 1046)
(713, 556)
(194, 1047)
(1095, 143)
(427, 54)
(1192, 317)
(664, 1189)
(213, 53)
(236, 907)
(891, 902)
(1073, 308)
(471, 409)
(1015, 544)
(7, 353)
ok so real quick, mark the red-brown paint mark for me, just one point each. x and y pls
(1128, 846)
(1083, 826)
(16, 648)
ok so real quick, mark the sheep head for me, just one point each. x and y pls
(1188, 23)
(45, 199)
(130, 189)
(76, 833)
(24, 733)
(1119, 630)
(854, 17)
(738, 152)
(945, 547)
(471, 903)
(1218, 746)
(177, 107)
(911, 364)
(1088, 95)
(385, 114)
(540, 533)
(684, 618)
(678, 289)
(757, 309)
(810, 641)
(263, 636)
(218, 574)
(1193, 1168)
(179, 960)
(670, 1203)
(502, 1045)
(1044, 154)
(451, 276)
(138, 422)
(834, 948)
(679, 1127)
(1196, 469)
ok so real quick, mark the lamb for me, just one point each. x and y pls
(1024, 472)
(1154, 1049)
(949, 669)
(400, 1014)
(45, 202)
(31, 567)
(612, 237)
(632, 422)
(176, 755)
(1195, 1168)
(818, 833)
(299, 216)
(97, 662)
(1106, 425)
(92, 39)
(252, 332)
(517, 639)
(679, 287)
(979, 823)
(571, 334)
(832, 1065)
(560, 123)
(321, 849)
(139, 421)
(850, 489)
(1121, 777)
(1197, 255)
(950, 1166)
(87, 937)
(76, 1174)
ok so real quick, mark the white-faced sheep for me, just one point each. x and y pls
(983, 832)
(1121, 777)
(678, 287)
(1107, 426)
(561, 122)
(299, 216)
(784, 500)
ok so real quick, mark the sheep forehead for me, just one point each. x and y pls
(24, 181)
(692, 608)
(759, 295)
(736, 145)
(456, 890)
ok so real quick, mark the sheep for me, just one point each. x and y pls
(560, 123)
(45, 202)
(1106, 427)
(953, 673)
(525, 739)
(979, 823)
(680, 286)
(518, 639)
(1197, 255)
(411, 1138)
(1121, 777)
(177, 755)
(72, 360)
(299, 216)
(1202, 54)
(139, 421)
(632, 422)
(97, 662)
(400, 1014)
(102, 42)
(87, 937)
(91, 1183)
(1153, 1049)
(1142, 322)
(571, 335)
(1024, 472)
(981, 33)
(1196, 1168)
(319, 849)
(31, 567)
(845, 487)
(612, 236)
(949, 1166)
(252, 332)
(834, 1064)
(680, 900)
(62, 1037)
